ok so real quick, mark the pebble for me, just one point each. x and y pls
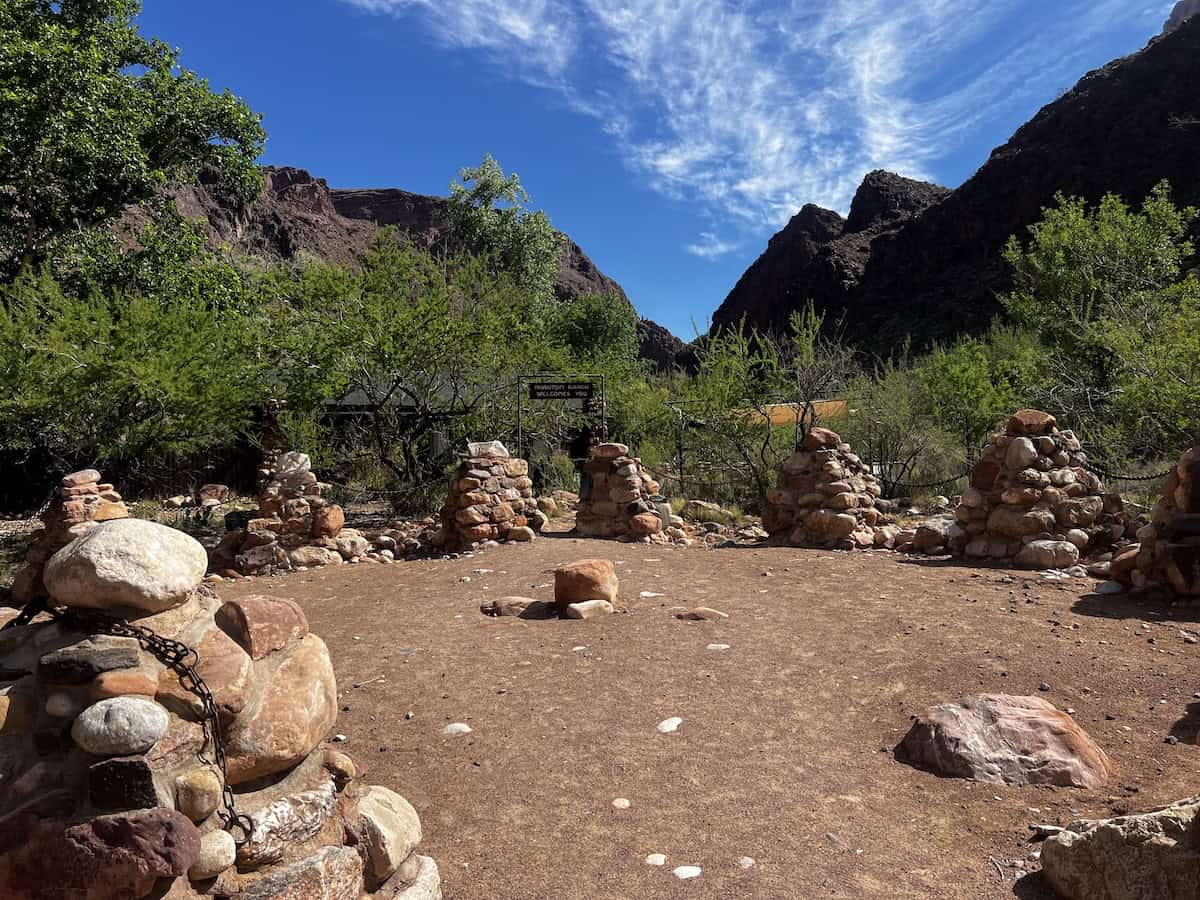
(338, 739)
(656, 859)
(457, 728)
(746, 862)
(1044, 686)
(717, 647)
(621, 803)
(666, 726)
(685, 872)
(649, 594)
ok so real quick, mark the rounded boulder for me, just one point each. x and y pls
(127, 563)
(120, 726)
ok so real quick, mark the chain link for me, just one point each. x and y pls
(180, 659)
(930, 484)
(1098, 470)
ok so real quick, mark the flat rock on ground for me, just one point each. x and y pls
(788, 733)
(1005, 740)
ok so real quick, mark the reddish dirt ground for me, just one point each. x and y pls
(785, 752)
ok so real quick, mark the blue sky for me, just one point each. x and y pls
(670, 138)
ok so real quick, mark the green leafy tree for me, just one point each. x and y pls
(489, 216)
(971, 385)
(819, 364)
(417, 353)
(132, 382)
(1085, 268)
(728, 447)
(94, 117)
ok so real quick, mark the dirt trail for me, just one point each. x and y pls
(784, 754)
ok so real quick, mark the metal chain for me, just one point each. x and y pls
(45, 506)
(931, 484)
(180, 659)
(1098, 470)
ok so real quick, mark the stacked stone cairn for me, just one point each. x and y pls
(1032, 500)
(1168, 555)
(80, 502)
(619, 499)
(296, 527)
(490, 499)
(109, 787)
(826, 498)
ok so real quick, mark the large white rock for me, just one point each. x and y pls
(389, 828)
(127, 563)
(120, 726)
(1047, 555)
(481, 449)
(1128, 858)
(293, 464)
(1003, 739)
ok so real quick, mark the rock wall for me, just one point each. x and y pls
(1169, 550)
(826, 498)
(619, 499)
(490, 499)
(296, 527)
(81, 501)
(1032, 500)
(109, 789)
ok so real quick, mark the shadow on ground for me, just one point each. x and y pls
(1034, 886)
(1187, 729)
(1133, 606)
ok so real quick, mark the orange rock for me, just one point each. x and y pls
(586, 579)
(645, 523)
(289, 717)
(120, 682)
(328, 521)
(107, 511)
(262, 624)
(1031, 421)
(1123, 565)
(820, 439)
(225, 668)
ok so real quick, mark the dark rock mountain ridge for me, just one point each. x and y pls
(299, 215)
(1183, 11)
(927, 263)
(820, 256)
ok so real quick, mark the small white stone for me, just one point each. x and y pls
(648, 594)
(666, 726)
(746, 862)
(621, 803)
(717, 647)
(338, 739)
(218, 852)
(685, 872)
(578, 649)
(656, 859)
(457, 728)
(1110, 587)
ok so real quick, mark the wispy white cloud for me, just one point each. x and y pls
(751, 108)
(709, 246)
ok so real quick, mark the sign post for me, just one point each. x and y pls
(565, 387)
